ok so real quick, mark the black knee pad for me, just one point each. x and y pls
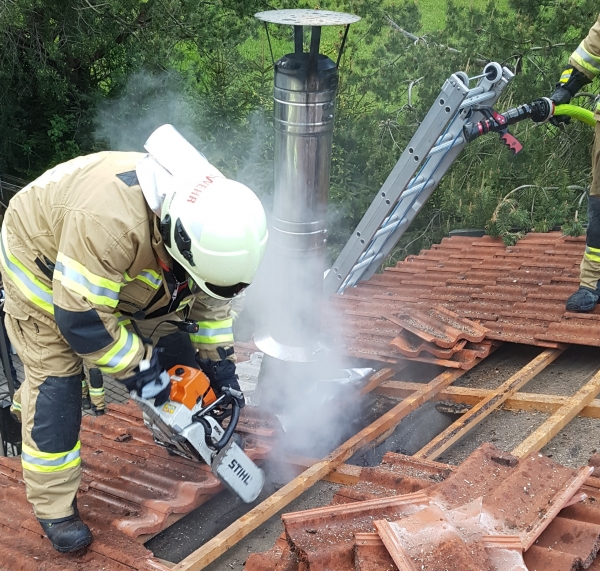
(57, 417)
(593, 229)
(96, 380)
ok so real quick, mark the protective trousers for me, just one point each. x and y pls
(590, 264)
(92, 385)
(49, 404)
(50, 408)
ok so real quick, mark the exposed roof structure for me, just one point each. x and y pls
(449, 305)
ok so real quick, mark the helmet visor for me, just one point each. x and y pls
(227, 292)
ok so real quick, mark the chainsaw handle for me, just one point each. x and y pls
(235, 416)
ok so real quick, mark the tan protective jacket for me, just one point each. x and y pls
(586, 58)
(80, 246)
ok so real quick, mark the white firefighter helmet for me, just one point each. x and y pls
(214, 227)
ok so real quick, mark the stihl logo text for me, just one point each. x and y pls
(199, 188)
(239, 471)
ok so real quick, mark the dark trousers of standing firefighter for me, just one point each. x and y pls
(590, 264)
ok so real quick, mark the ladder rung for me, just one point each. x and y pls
(416, 189)
(444, 138)
(366, 263)
(389, 228)
(478, 99)
(445, 146)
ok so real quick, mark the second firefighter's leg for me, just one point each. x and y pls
(96, 390)
(51, 417)
(587, 296)
(86, 403)
(15, 407)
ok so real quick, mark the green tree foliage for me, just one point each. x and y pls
(59, 58)
(544, 186)
(82, 75)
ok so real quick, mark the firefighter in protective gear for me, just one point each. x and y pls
(94, 247)
(584, 65)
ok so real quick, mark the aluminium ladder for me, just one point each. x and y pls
(428, 156)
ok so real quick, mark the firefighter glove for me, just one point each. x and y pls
(222, 376)
(150, 381)
(571, 82)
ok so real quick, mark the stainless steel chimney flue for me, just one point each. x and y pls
(304, 103)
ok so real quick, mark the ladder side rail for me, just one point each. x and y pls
(435, 168)
(373, 254)
(420, 182)
(453, 94)
(409, 213)
(405, 209)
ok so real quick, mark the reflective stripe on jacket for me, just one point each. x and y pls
(81, 245)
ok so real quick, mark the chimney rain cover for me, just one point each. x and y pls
(307, 17)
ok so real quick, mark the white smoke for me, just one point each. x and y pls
(317, 414)
(151, 100)
(148, 101)
(317, 405)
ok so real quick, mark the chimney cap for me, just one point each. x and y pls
(299, 17)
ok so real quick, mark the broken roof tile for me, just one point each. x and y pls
(328, 538)
(579, 539)
(427, 541)
(531, 496)
(370, 553)
(323, 538)
(396, 475)
(409, 345)
(477, 476)
(544, 559)
(279, 558)
(439, 326)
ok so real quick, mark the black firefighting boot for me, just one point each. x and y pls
(67, 534)
(98, 411)
(583, 300)
(86, 403)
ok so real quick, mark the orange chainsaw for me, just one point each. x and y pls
(189, 425)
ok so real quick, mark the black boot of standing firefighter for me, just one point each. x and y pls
(587, 296)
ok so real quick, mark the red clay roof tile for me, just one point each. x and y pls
(508, 289)
(130, 488)
(427, 541)
(323, 537)
(370, 553)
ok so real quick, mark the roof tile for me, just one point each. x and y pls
(507, 288)
(427, 541)
(328, 538)
(370, 553)
(130, 488)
